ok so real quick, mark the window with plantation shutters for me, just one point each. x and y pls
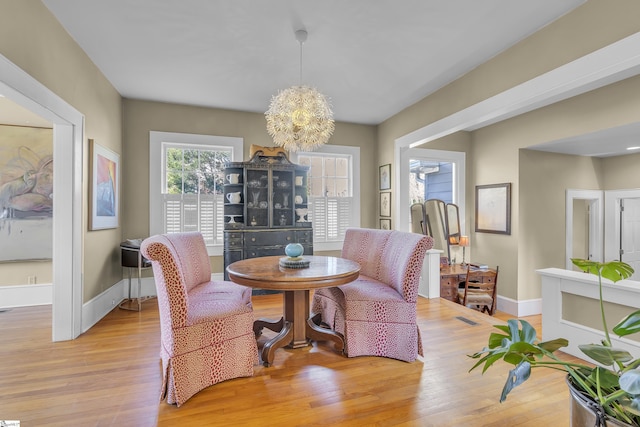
(188, 212)
(333, 188)
(186, 173)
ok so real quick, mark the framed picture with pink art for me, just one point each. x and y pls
(104, 187)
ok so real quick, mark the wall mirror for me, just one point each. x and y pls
(418, 220)
(440, 220)
(452, 223)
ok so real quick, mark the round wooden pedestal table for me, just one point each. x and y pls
(296, 328)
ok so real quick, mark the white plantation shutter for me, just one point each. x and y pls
(318, 216)
(331, 216)
(172, 213)
(190, 212)
(345, 216)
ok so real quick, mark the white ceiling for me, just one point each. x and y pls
(604, 143)
(373, 58)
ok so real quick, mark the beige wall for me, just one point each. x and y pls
(622, 172)
(141, 117)
(494, 155)
(31, 38)
(543, 181)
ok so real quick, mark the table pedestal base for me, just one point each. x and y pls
(295, 329)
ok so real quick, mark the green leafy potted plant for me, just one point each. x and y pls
(613, 386)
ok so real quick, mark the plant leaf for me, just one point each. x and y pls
(612, 270)
(606, 378)
(528, 333)
(616, 270)
(553, 345)
(503, 328)
(605, 355)
(495, 340)
(517, 376)
(628, 325)
(490, 360)
(586, 265)
(514, 330)
(632, 406)
(524, 348)
(514, 358)
(630, 382)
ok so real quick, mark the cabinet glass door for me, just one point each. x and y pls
(283, 198)
(257, 198)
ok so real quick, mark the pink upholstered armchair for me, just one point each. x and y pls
(206, 326)
(376, 313)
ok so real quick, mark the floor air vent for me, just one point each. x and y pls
(465, 320)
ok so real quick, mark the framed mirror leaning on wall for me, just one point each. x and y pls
(439, 220)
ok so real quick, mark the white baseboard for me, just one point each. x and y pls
(520, 308)
(26, 295)
(101, 305)
(93, 310)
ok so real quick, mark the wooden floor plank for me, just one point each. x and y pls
(110, 376)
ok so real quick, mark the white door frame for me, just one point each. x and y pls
(455, 157)
(596, 221)
(68, 131)
(612, 219)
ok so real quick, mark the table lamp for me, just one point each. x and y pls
(464, 242)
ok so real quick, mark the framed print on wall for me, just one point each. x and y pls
(385, 224)
(385, 177)
(104, 187)
(385, 204)
(493, 208)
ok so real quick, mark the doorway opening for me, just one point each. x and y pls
(68, 131)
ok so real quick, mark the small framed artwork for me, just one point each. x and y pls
(385, 177)
(385, 224)
(493, 208)
(385, 204)
(104, 187)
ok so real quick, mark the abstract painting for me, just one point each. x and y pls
(105, 192)
(26, 193)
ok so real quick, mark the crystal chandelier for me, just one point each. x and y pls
(300, 117)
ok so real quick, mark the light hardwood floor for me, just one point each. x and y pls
(110, 376)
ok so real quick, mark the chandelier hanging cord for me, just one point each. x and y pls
(301, 36)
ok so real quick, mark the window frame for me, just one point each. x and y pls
(157, 142)
(354, 220)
